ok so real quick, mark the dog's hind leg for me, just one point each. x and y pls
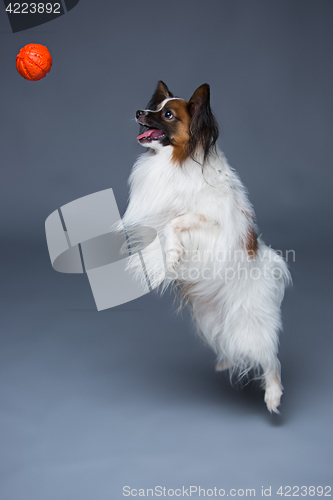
(273, 388)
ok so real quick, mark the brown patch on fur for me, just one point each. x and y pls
(251, 242)
(181, 227)
(180, 138)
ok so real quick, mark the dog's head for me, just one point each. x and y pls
(188, 126)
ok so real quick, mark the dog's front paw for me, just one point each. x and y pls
(172, 258)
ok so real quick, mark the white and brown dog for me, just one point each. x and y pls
(184, 188)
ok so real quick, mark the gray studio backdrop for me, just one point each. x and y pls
(94, 401)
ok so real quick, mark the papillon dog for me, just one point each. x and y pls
(184, 188)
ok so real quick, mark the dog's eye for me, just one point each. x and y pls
(168, 115)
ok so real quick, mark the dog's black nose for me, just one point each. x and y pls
(140, 113)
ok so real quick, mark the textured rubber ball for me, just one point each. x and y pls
(34, 61)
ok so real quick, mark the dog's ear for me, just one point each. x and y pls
(161, 92)
(204, 129)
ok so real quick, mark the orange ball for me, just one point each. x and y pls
(33, 61)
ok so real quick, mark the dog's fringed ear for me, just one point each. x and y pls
(161, 92)
(204, 129)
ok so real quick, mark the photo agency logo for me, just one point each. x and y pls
(26, 15)
(87, 236)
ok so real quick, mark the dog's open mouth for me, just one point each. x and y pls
(151, 134)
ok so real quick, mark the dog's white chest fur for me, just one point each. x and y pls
(161, 191)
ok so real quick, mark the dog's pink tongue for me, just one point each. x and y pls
(152, 133)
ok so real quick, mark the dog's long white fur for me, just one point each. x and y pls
(202, 219)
